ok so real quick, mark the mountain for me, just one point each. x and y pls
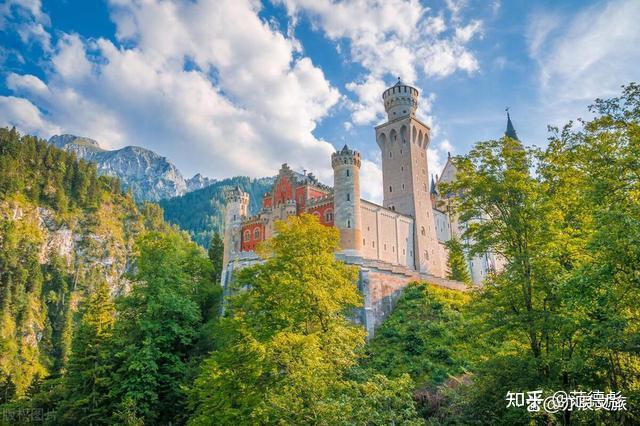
(201, 212)
(149, 176)
(198, 182)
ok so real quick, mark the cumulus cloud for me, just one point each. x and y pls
(28, 84)
(392, 38)
(179, 74)
(25, 116)
(27, 19)
(588, 55)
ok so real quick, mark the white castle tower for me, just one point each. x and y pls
(346, 196)
(403, 140)
(237, 203)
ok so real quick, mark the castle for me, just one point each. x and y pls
(400, 241)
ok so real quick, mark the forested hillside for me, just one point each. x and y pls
(201, 212)
(72, 243)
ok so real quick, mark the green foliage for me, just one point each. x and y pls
(42, 190)
(563, 314)
(424, 337)
(287, 343)
(457, 262)
(87, 381)
(216, 253)
(157, 326)
(201, 212)
(47, 175)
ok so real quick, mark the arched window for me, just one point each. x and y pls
(348, 223)
(393, 136)
(390, 189)
(347, 172)
(328, 216)
(348, 197)
(422, 231)
(403, 132)
(247, 236)
(256, 234)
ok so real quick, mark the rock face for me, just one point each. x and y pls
(198, 182)
(148, 175)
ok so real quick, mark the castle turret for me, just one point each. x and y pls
(237, 203)
(400, 100)
(404, 140)
(346, 196)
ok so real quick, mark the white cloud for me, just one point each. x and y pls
(28, 84)
(25, 116)
(371, 181)
(437, 155)
(586, 56)
(244, 105)
(369, 108)
(391, 38)
(27, 19)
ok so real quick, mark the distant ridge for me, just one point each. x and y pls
(149, 176)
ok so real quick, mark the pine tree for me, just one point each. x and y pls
(216, 252)
(87, 380)
(457, 263)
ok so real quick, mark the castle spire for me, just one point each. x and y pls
(511, 131)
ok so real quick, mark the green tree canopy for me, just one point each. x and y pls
(289, 341)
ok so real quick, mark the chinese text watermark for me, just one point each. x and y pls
(27, 415)
(563, 401)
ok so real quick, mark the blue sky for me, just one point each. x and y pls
(232, 87)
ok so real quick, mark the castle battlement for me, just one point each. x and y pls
(400, 100)
(319, 201)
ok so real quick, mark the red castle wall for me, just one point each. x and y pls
(283, 191)
(322, 211)
(250, 244)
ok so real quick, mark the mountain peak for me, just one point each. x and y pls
(62, 141)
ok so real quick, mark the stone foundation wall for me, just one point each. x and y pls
(380, 283)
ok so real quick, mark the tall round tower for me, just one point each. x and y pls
(403, 142)
(346, 199)
(400, 100)
(237, 203)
